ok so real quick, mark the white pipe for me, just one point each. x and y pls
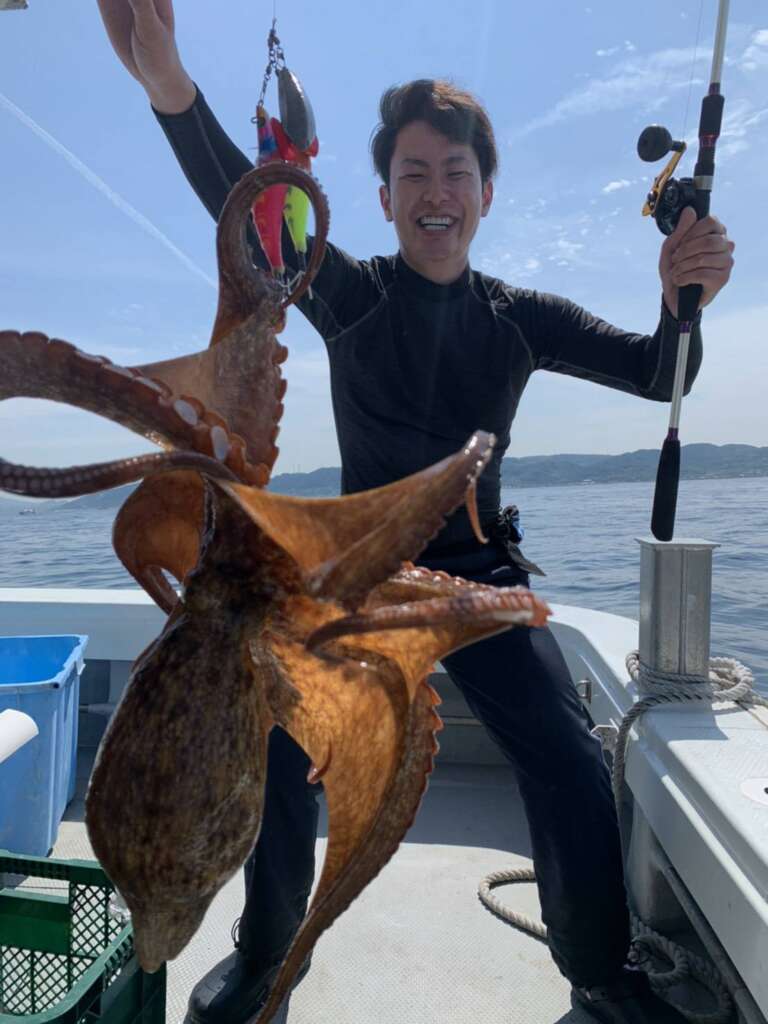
(16, 729)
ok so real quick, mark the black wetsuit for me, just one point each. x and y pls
(416, 367)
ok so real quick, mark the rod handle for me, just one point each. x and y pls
(665, 495)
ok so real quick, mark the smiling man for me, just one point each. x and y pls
(440, 192)
(423, 351)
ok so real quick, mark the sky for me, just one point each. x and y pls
(104, 244)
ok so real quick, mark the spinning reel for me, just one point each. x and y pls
(668, 196)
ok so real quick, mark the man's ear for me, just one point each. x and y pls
(487, 197)
(385, 202)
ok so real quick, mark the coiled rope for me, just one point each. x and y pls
(728, 680)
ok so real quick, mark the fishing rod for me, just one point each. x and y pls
(666, 201)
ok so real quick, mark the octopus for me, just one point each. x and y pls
(308, 614)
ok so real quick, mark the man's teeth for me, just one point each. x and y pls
(435, 223)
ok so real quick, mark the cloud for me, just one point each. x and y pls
(526, 260)
(628, 47)
(739, 122)
(614, 186)
(755, 57)
(101, 186)
(566, 253)
(644, 82)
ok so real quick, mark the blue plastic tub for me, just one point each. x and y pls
(39, 675)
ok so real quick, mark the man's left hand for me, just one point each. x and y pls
(697, 252)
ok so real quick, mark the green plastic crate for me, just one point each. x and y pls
(64, 959)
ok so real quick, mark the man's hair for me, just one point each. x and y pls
(448, 109)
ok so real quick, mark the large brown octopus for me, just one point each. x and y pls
(297, 612)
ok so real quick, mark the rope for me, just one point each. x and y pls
(494, 904)
(728, 680)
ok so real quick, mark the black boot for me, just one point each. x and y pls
(234, 990)
(628, 999)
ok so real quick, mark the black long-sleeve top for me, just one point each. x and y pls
(416, 366)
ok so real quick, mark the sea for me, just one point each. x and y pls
(583, 536)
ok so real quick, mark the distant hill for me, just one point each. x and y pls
(698, 462)
(320, 483)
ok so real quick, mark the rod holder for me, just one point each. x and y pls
(675, 604)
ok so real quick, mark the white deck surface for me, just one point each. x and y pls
(417, 947)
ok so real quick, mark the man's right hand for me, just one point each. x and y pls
(142, 36)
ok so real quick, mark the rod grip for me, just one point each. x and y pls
(688, 300)
(665, 495)
(689, 297)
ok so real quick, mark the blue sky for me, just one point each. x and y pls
(105, 245)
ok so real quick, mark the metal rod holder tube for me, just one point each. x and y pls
(675, 604)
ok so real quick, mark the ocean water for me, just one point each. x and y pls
(582, 536)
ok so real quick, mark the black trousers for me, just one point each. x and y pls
(518, 686)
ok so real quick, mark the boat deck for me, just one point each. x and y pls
(417, 946)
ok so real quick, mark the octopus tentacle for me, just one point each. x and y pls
(240, 378)
(416, 583)
(160, 527)
(35, 366)
(332, 540)
(373, 779)
(35, 482)
(239, 374)
(243, 288)
(461, 612)
(405, 529)
(487, 608)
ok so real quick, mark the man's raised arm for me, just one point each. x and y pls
(142, 36)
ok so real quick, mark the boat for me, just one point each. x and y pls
(418, 944)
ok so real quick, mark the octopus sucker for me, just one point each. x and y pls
(89, 358)
(121, 371)
(184, 408)
(220, 443)
(153, 385)
(308, 613)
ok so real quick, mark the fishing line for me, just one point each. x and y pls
(693, 69)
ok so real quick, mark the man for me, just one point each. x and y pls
(423, 351)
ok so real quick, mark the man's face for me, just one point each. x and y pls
(435, 198)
